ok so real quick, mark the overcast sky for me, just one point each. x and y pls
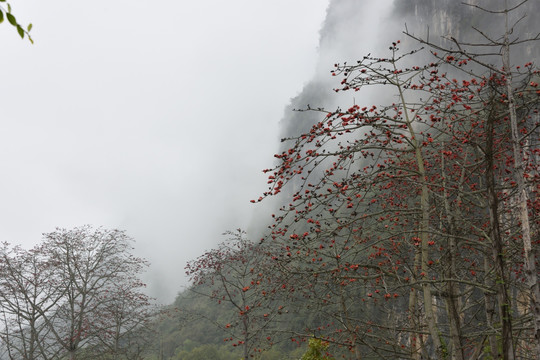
(152, 117)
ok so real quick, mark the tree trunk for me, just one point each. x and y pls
(498, 246)
(246, 337)
(423, 230)
(426, 287)
(414, 337)
(451, 297)
(521, 196)
(489, 302)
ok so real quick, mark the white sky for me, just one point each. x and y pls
(152, 117)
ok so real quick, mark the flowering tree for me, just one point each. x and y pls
(519, 110)
(390, 190)
(409, 205)
(237, 274)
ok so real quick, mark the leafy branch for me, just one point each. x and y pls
(5, 12)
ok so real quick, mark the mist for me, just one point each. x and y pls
(158, 119)
(151, 119)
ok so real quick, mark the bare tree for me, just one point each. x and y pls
(77, 295)
(29, 288)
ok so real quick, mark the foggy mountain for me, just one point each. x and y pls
(353, 29)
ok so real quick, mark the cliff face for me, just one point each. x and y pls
(351, 30)
(355, 28)
(466, 23)
(440, 17)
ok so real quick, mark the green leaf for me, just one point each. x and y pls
(11, 19)
(2, 0)
(1, 16)
(20, 31)
(8, 8)
(29, 27)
